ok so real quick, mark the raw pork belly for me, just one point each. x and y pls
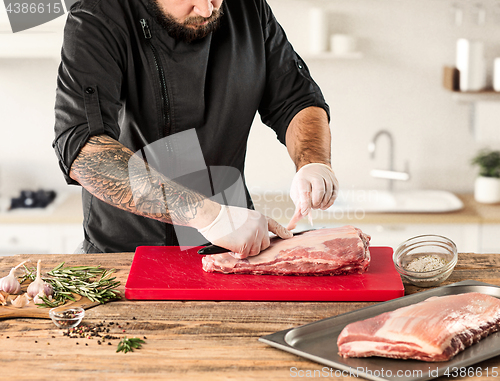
(433, 330)
(318, 252)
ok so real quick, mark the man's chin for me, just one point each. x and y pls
(199, 25)
(194, 29)
(192, 32)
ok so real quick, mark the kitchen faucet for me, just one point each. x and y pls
(389, 174)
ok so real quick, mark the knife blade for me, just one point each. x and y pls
(214, 249)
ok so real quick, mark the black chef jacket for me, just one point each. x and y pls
(121, 74)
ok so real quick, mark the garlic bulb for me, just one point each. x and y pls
(38, 285)
(9, 283)
(21, 301)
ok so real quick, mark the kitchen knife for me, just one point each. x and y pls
(214, 249)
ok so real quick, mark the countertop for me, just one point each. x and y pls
(184, 340)
(281, 208)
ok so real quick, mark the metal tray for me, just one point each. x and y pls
(317, 341)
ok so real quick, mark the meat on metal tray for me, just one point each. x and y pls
(317, 341)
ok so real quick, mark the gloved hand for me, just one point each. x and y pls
(313, 186)
(243, 231)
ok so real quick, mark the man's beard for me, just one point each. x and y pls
(190, 29)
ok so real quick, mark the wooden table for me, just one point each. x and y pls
(184, 340)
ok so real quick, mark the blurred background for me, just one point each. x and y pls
(380, 66)
(394, 83)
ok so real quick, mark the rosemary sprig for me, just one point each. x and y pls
(128, 345)
(95, 283)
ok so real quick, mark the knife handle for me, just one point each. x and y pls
(212, 249)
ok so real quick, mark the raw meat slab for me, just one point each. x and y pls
(317, 341)
(433, 330)
(320, 252)
(172, 273)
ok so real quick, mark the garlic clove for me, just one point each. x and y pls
(20, 301)
(38, 297)
(9, 283)
(3, 296)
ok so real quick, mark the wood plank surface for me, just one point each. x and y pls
(184, 340)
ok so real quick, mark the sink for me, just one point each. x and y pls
(381, 201)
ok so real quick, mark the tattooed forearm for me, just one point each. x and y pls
(308, 137)
(160, 198)
(112, 173)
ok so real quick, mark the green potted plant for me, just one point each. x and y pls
(487, 184)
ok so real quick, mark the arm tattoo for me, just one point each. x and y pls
(107, 169)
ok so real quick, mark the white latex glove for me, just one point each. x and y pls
(314, 186)
(245, 232)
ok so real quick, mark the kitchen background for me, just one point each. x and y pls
(393, 82)
(395, 85)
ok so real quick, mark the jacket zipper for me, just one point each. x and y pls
(169, 229)
(161, 74)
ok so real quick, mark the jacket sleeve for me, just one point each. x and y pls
(289, 86)
(88, 85)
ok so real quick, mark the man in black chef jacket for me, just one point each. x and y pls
(134, 72)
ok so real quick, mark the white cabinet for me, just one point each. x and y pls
(39, 238)
(17, 239)
(489, 239)
(465, 236)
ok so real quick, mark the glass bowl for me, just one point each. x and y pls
(67, 317)
(426, 260)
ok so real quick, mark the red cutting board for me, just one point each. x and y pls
(174, 273)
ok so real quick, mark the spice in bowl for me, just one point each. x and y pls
(426, 263)
(426, 260)
(67, 318)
